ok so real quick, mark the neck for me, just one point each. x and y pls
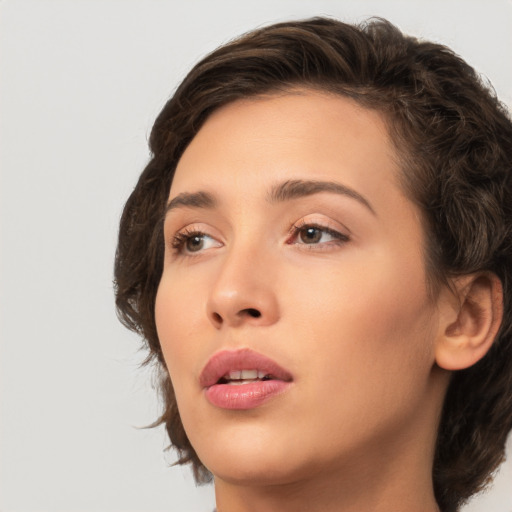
(382, 490)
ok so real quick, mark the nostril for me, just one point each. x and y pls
(253, 312)
(217, 318)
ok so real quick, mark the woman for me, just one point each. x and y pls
(318, 256)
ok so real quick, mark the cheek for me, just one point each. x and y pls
(370, 321)
(370, 340)
(176, 317)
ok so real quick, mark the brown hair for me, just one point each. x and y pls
(454, 140)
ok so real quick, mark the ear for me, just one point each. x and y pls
(469, 320)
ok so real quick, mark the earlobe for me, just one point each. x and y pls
(470, 321)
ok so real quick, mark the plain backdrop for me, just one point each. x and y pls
(80, 85)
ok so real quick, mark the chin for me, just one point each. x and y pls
(248, 456)
(266, 471)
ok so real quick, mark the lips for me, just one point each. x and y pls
(242, 379)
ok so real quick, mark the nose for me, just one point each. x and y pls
(244, 291)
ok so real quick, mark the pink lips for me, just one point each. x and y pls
(242, 394)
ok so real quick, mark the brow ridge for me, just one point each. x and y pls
(294, 189)
(286, 191)
(199, 199)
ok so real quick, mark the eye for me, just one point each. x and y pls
(314, 234)
(191, 242)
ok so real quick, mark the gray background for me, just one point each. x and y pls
(80, 85)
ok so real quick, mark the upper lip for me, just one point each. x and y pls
(225, 361)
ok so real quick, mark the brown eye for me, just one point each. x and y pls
(194, 243)
(310, 235)
(316, 235)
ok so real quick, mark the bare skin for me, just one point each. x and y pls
(330, 284)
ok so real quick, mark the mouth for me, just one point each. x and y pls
(242, 379)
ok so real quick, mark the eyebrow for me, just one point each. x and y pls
(192, 200)
(286, 191)
(294, 189)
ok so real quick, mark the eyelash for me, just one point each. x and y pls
(179, 240)
(303, 225)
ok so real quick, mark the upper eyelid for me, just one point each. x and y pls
(177, 243)
(193, 229)
(186, 232)
(339, 235)
(326, 223)
(190, 227)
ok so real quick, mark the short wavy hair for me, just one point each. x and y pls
(454, 142)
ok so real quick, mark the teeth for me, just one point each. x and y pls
(241, 375)
(249, 374)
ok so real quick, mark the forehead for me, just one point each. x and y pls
(301, 134)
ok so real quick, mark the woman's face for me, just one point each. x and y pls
(292, 251)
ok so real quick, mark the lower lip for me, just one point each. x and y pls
(244, 396)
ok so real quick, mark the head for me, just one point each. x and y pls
(452, 146)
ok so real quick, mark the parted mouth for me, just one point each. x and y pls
(243, 366)
(245, 376)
